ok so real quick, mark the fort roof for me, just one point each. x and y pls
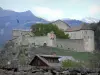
(77, 28)
(60, 21)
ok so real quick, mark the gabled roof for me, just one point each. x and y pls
(60, 21)
(77, 28)
(41, 57)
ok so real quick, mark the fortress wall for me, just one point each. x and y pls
(75, 43)
(40, 40)
(17, 33)
(71, 44)
(89, 40)
(75, 34)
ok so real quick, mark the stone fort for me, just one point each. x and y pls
(81, 38)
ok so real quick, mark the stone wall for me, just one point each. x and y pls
(38, 40)
(86, 35)
(19, 32)
(71, 44)
(61, 25)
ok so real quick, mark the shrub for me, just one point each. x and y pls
(71, 64)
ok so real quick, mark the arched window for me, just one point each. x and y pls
(44, 44)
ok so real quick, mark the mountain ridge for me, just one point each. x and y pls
(10, 20)
(90, 20)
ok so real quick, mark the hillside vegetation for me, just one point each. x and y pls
(96, 28)
(43, 29)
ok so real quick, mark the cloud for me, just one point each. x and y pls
(73, 1)
(20, 10)
(49, 14)
(76, 16)
(94, 9)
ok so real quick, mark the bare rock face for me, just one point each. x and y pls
(29, 73)
(2, 72)
(45, 72)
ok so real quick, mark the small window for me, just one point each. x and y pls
(86, 32)
(33, 43)
(88, 37)
(44, 44)
(91, 37)
(13, 53)
(25, 49)
(26, 54)
(57, 45)
(84, 36)
(61, 46)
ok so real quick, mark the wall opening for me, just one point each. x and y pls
(45, 44)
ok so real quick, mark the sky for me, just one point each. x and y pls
(56, 9)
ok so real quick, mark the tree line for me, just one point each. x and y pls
(96, 28)
(43, 29)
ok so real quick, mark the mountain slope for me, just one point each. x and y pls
(11, 20)
(73, 22)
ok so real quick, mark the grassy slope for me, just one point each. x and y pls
(61, 52)
(76, 55)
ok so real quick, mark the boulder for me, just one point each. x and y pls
(66, 72)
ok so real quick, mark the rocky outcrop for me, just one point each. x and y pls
(37, 71)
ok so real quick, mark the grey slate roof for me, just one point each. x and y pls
(81, 27)
(52, 56)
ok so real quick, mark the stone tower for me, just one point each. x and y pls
(85, 33)
(88, 38)
(51, 39)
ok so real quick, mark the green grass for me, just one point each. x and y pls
(77, 55)
(71, 64)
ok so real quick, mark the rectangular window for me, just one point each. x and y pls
(84, 37)
(85, 32)
(88, 37)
